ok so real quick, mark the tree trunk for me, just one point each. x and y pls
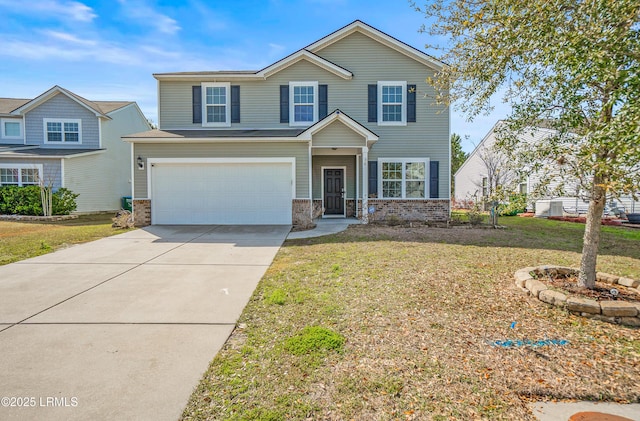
(591, 241)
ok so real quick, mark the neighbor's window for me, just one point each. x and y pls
(392, 103)
(9, 176)
(62, 131)
(11, 129)
(485, 187)
(29, 176)
(523, 188)
(403, 179)
(20, 175)
(303, 103)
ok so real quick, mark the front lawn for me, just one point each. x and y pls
(21, 240)
(420, 310)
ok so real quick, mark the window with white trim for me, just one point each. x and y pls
(485, 187)
(523, 187)
(20, 175)
(403, 178)
(63, 131)
(216, 103)
(392, 103)
(303, 103)
(11, 129)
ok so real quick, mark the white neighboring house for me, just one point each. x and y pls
(68, 141)
(475, 179)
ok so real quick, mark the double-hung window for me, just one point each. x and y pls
(63, 131)
(20, 175)
(392, 103)
(11, 129)
(403, 178)
(216, 104)
(303, 103)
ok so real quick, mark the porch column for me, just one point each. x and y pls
(365, 185)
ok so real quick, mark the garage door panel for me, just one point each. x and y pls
(238, 193)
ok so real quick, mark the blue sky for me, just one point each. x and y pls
(108, 50)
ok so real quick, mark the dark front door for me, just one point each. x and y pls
(334, 192)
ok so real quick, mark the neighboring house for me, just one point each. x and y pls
(344, 124)
(476, 179)
(64, 140)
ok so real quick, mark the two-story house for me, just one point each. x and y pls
(346, 126)
(63, 140)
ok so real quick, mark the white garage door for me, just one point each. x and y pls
(221, 193)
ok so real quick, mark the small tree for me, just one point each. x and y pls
(458, 156)
(574, 63)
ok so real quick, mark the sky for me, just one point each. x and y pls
(108, 50)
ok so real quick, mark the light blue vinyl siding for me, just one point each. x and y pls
(51, 168)
(61, 106)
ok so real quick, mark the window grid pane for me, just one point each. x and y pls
(392, 113)
(216, 114)
(30, 176)
(303, 112)
(216, 95)
(391, 189)
(8, 176)
(415, 189)
(392, 171)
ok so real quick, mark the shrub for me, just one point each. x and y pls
(64, 202)
(16, 200)
(517, 204)
(475, 215)
(26, 200)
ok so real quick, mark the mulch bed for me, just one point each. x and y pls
(601, 292)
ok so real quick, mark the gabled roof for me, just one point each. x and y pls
(381, 37)
(9, 104)
(99, 108)
(309, 56)
(343, 118)
(310, 53)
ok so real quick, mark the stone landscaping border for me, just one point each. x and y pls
(30, 218)
(619, 312)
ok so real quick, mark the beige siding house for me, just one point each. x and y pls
(344, 127)
(62, 139)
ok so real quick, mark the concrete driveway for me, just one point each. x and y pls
(124, 327)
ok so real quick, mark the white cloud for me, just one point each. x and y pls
(61, 9)
(70, 38)
(139, 11)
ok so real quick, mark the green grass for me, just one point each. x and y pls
(418, 309)
(22, 240)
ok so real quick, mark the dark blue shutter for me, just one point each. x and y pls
(373, 103)
(411, 103)
(323, 103)
(284, 103)
(235, 104)
(196, 100)
(373, 178)
(433, 179)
